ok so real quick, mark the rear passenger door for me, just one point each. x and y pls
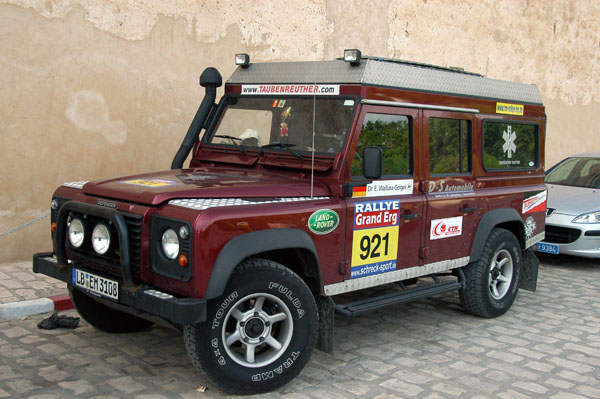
(452, 205)
(384, 226)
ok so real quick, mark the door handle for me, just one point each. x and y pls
(465, 209)
(409, 216)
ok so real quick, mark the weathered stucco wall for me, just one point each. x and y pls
(99, 88)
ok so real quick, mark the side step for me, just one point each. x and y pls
(408, 295)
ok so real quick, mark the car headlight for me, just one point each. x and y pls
(101, 239)
(76, 233)
(170, 244)
(592, 217)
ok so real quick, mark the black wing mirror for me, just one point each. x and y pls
(372, 162)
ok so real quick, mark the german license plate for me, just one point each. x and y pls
(547, 248)
(96, 284)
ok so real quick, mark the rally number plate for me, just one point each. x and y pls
(96, 284)
(547, 248)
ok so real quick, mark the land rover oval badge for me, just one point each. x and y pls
(323, 221)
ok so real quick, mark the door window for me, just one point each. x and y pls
(449, 146)
(393, 134)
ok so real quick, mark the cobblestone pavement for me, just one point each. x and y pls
(19, 283)
(546, 346)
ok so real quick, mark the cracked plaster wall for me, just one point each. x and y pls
(99, 88)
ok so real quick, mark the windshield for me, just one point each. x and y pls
(284, 124)
(577, 172)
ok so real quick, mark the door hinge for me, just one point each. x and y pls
(424, 252)
(344, 267)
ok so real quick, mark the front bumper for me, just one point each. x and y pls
(142, 299)
(573, 238)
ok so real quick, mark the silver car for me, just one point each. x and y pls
(573, 207)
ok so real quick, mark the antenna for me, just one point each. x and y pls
(312, 147)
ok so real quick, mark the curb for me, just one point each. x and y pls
(18, 310)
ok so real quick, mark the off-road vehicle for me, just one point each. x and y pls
(309, 180)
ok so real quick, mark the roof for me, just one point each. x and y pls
(388, 73)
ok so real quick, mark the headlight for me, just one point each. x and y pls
(170, 244)
(592, 217)
(101, 239)
(76, 233)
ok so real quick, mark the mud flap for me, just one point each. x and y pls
(326, 308)
(529, 272)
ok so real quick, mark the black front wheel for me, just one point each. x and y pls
(259, 334)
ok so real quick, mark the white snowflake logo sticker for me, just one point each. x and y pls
(509, 141)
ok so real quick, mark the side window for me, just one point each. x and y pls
(510, 145)
(449, 146)
(393, 134)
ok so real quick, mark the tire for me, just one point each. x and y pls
(104, 318)
(492, 282)
(259, 334)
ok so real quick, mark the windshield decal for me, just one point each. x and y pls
(509, 109)
(151, 182)
(308, 90)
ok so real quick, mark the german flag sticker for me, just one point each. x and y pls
(359, 191)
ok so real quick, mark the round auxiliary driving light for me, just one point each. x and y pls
(101, 239)
(170, 244)
(76, 233)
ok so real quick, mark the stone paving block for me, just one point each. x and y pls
(531, 387)
(401, 387)
(78, 387)
(567, 395)
(539, 366)
(125, 384)
(505, 356)
(587, 390)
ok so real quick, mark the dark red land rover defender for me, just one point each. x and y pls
(309, 180)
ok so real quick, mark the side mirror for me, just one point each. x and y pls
(372, 162)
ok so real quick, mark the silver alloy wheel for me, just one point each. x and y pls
(501, 274)
(258, 330)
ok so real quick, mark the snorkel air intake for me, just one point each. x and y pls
(210, 80)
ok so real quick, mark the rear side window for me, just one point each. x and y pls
(449, 146)
(393, 134)
(510, 145)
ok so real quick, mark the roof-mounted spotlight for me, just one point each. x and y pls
(242, 60)
(352, 56)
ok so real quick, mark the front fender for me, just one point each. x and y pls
(246, 245)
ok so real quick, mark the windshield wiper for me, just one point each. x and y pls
(284, 146)
(234, 140)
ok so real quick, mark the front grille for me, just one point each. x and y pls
(134, 232)
(561, 235)
(110, 263)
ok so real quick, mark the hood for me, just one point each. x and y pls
(158, 187)
(571, 200)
